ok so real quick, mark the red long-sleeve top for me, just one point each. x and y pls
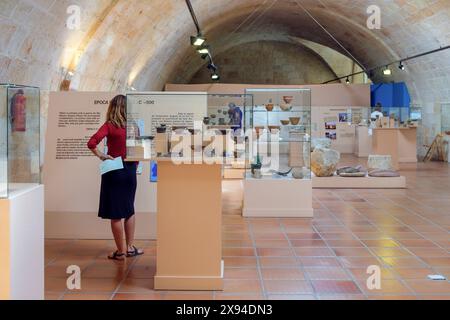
(116, 140)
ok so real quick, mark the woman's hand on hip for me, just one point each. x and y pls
(105, 157)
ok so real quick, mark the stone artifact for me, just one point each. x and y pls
(300, 173)
(324, 162)
(282, 174)
(324, 143)
(381, 162)
(360, 174)
(352, 172)
(378, 173)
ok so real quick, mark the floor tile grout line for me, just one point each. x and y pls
(258, 262)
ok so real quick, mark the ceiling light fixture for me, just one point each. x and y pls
(197, 41)
(347, 81)
(387, 71)
(203, 50)
(401, 66)
(215, 76)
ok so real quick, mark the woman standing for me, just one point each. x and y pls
(118, 188)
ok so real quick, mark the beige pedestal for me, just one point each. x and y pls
(363, 144)
(22, 243)
(277, 198)
(400, 143)
(189, 227)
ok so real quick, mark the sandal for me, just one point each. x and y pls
(117, 256)
(134, 253)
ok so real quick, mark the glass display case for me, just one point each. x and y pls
(400, 114)
(159, 122)
(226, 117)
(280, 146)
(19, 138)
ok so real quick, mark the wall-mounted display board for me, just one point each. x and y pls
(339, 124)
(71, 171)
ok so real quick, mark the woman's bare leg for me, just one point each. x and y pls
(117, 230)
(130, 228)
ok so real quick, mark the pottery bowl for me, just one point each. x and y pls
(294, 120)
(269, 107)
(285, 122)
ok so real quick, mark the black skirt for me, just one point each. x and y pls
(118, 192)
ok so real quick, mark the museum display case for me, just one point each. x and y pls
(21, 195)
(20, 138)
(280, 121)
(399, 115)
(226, 117)
(278, 181)
(159, 123)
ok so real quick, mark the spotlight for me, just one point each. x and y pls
(203, 50)
(401, 66)
(197, 41)
(215, 77)
(347, 81)
(387, 71)
(70, 73)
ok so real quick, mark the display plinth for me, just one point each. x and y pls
(22, 243)
(363, 145)
(278, 198)
(337, 182)
(400, 143)
(189, 227)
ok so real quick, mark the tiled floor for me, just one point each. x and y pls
(405, 232)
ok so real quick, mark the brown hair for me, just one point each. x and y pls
(117, 111)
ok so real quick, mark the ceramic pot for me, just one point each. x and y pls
(274, 128)
(294, 120)
(286, 107)
(288, 99)
(270, 106)
(285, 122)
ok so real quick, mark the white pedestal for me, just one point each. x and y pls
(277, 198)
(22, 243)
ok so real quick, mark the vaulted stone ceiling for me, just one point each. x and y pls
(145, 43)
